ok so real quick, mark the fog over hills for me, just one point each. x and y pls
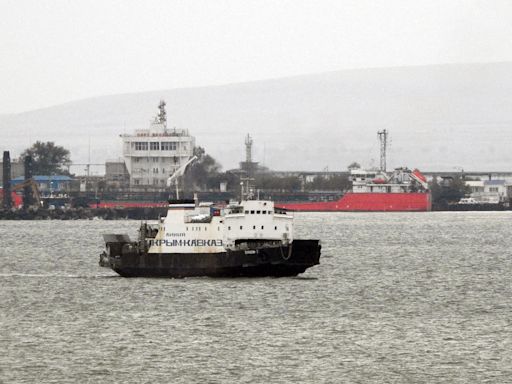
(439, 117)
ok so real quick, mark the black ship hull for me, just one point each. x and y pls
(277, 261)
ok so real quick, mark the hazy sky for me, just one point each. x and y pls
(56, 51)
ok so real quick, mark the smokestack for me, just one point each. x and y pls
(27, 190)
(7, 200)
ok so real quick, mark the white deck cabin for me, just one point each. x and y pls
(205, 228)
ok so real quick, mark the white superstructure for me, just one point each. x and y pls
(401, 180)
(188, 228)
(152, 155)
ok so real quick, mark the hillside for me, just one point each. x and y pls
(440, 117)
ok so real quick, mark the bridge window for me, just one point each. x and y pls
(252, 212)
(258, 212)
(168, 146)
(141, 146)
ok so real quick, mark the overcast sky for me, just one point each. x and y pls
(56, 51)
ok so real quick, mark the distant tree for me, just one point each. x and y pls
(48, 158)
(450, 190)
(204, 173)
(333, 183)
(354, 165)
(271, 182)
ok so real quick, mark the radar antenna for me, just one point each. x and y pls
(383, 138)
(162, 115)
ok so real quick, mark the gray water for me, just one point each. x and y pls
(397, 298)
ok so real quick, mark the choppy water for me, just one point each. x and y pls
(398, 298)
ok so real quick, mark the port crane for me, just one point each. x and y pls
(174, 178)
(33, 187)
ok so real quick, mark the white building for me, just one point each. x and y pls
(152, 155)
(489, 191)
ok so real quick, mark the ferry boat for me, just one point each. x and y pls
(249, 238)
(401, 190)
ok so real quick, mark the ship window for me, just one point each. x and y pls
(258, 212)
(246, 212)
(269, 212)
(168, 146)
(229, 228)
(186, 228)
(241, 227)
(252, 212)
(275, 227)
(253, 227)
(264, 212)
(218, 228)
(262, 227)
(141, 146)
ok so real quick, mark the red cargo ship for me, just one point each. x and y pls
(375, 191)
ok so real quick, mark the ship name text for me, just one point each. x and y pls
(186, 243)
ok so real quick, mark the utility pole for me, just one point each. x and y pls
(7, 199)
(383, 138)
(28, 200)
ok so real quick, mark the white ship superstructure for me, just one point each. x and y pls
(151, 155)
(401, 180)
(188, 228)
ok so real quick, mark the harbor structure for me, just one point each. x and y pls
(152, 155)
(16, 167)
(47, 183)
(116, 174)
(249, 167)
(6, 179)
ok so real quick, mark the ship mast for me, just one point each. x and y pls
(162, 115)
(383, 139)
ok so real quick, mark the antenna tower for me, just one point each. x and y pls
(162, 115)
(248, 149)
(383, 138)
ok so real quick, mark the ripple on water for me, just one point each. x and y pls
(397, 298)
